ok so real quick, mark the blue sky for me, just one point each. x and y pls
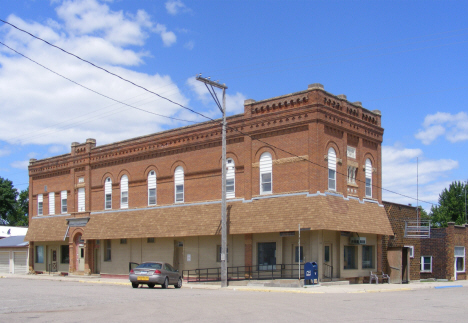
(407, 59)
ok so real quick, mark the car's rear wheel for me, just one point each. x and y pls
(179, 283)
(135, 285)
(151, 285)
(166, 283)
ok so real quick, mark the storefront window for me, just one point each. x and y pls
(350, 254)
(40, 254)
(267, 256)
(367, 257)
(64, 254)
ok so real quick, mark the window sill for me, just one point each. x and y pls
(426, 272)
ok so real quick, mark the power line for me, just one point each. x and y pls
(180, 105)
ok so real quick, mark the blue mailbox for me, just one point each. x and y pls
(310, 273)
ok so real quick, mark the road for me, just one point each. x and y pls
(24, 300)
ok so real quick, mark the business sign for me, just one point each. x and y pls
(77, 222)
(357, 240)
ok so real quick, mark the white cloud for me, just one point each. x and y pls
(21, 164)
(401, 173)
(453, 126)
(52, 110)
(56, 149)
(4, 152)
(174, 7)
(189, 45)
(168, 37)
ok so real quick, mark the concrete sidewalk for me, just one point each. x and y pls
(354, 288)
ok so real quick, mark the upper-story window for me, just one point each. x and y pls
(63, 198)
(331, 169)
(179, 184)
(230, 179)
(368, 178)
(124, 192)
(108, 193)
(152, 188)
(51, 203)
(81, 199)
(39, 204)
(266, 176)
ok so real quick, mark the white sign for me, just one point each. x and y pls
(357, 240)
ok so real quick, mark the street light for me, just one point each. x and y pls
(209, 85)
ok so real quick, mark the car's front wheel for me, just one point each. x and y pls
(179, 283)
(135, 285)
(166, 283)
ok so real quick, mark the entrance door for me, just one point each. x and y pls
(53, 260)
(394, 256)
(267, 256)
(327, 261)
(97, 263)
(178, 259)
(81, 258)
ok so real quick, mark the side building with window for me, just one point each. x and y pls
(308, 158)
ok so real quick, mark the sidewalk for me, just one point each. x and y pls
(354, 288)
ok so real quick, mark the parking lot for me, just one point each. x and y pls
(72, 301)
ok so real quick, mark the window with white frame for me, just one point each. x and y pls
(460, 259)
(63, 204)
(230, 179)
(124, 192)
(352, 174)
(152, 188)
(331, 169)
(51, 203)
(108, 193)
(179, 184)
(368, 178)
(426, 264)
(81, 199)
(40, 201)
(266, 176)
(411, 251)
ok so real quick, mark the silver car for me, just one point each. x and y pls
(153, 273)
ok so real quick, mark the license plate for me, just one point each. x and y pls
(143, 278)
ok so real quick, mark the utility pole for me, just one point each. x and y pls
(209, 85)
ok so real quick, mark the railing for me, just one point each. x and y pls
(418, 229)
(327, 271)
(258, 272)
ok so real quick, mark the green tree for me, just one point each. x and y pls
(21, 216)
(451, 206)
(8, 196)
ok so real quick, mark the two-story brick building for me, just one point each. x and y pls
(308, 158)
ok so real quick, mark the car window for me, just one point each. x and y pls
(166, 267)
(149, 266)
(171, 268)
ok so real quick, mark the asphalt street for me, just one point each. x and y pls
(29, 300)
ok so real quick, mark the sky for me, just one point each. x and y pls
(407, 59)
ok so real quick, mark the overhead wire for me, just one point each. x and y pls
(189, 109)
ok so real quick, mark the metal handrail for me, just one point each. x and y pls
(258, 272)
(327, 271)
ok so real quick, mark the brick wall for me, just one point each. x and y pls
(398, 214)
(305, 123)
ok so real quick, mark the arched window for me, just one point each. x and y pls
(179, 184)
(331, 169)
(266, 176)
(230, 179)
(124, 192)
(108, 193)
(152, 188)
(368, 178)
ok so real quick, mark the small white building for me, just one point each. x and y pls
(14, 255)
(8, 231)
